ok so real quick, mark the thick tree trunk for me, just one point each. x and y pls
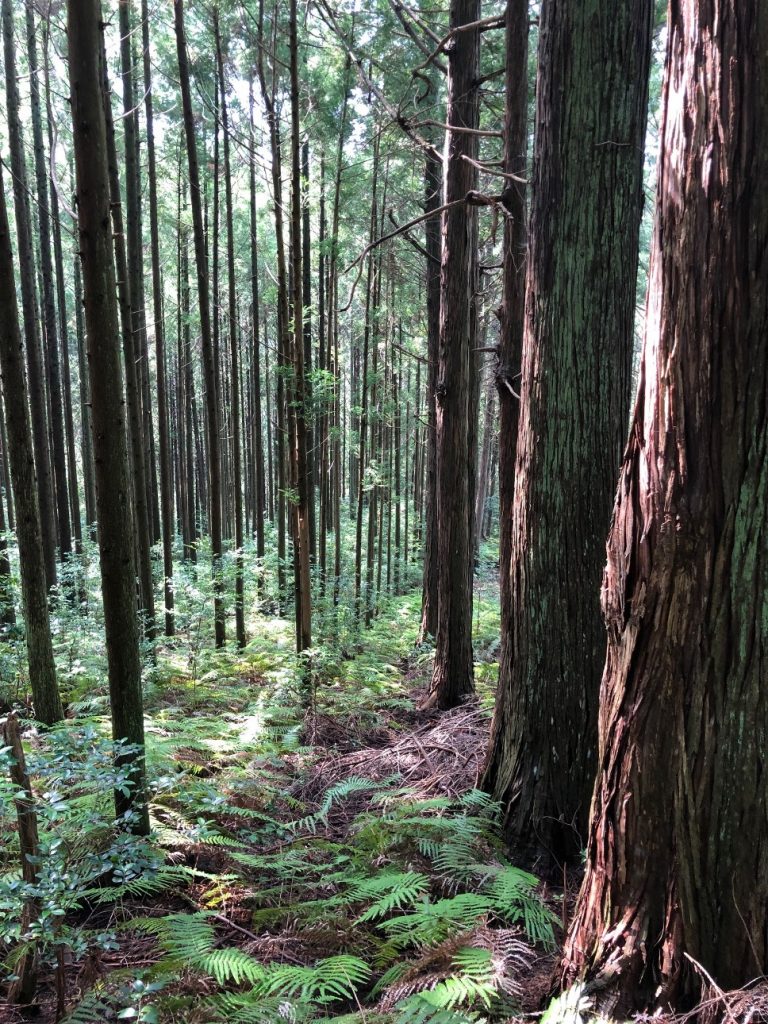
(108, 412)
(42, 671)
(677, 859)
(587, 201)
(453, 676)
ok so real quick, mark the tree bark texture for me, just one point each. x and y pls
(108, 409)
(209, 363)
(577, 349)
(453, 676)
(677, 859)
(42, 670)
(25, 255)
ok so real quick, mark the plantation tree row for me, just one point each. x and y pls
(318, 282)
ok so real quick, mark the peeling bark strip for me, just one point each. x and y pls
(587, 199)
(678, 844)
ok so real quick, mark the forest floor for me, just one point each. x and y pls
(319, 852)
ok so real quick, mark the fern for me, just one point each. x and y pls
(334, 794)
(431, 923)
(514, 898)
(428, 1008)
(92, 1009)
(337, 977)
(230, 964)
(143, 885)
(391, 891)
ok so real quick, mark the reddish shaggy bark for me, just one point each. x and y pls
(677, 861)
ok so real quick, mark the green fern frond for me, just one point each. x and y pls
(230, 964)
(143, 885)
(514, 898)
(427, 1008)
(394, 890)
(92, 1009)
(336, 977)
(433, 922)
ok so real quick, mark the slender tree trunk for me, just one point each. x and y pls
(309, 420)
(69, 419)
(587, 188)
(360, 604)
(453, 676)
(42, 671)
(51, 347)
(6, 467)
(37, 397)
(257, 439)
(125, 278)
(166, 487)
(89, 472)
(677, 871)
(432, 200)
(300, 475)
(483, 473)
(209, 367)
(234, 356)
(113, 483)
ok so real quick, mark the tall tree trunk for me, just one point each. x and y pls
(512, 319)
(125, 279)
(257, 439)
(209, 367)
(113, 483)
(166, 488)
(234, 355)
(86, 432)
(453, 675)
(577, 351)
(51, 347)
(432, 197)
(483, 472)
(298, 409)
(42, 671)
(306, 270)
(677, 857)
(37, 397)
